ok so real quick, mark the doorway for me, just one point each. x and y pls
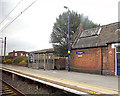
(118, 60)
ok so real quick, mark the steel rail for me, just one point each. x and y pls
(18, 92)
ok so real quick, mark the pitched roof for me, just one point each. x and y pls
(50, 50)
(17, 51)
(99, 36)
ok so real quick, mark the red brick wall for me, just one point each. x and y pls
(94, 60)
(62, 62)
(108, 60)
(90, 61)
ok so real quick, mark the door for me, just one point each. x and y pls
(118, 60)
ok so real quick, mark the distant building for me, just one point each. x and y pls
(18, 53)
(97, 50)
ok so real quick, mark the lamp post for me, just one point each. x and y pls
(68, 39)
(1, 49)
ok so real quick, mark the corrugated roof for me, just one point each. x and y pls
(43, 50)
(50, 50)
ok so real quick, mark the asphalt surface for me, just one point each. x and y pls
(93, 79)
(90, 83)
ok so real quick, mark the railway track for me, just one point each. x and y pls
(8, 90)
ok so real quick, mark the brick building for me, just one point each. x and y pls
(97, 50)
(18, 53)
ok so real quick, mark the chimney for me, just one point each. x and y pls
(80, 29)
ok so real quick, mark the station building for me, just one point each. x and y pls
(97, 50)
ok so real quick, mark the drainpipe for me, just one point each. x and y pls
(115, 61)
(101, 62)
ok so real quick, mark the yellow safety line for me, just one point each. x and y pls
(63, 80)
(68, 81)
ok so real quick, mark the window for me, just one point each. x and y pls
(15, 54)
(118, 49)
(26, 55)
(49, 57)
(21, 54)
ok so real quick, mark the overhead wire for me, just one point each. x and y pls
(11, 11)
(18, 14)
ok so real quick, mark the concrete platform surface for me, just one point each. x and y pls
(97, 83)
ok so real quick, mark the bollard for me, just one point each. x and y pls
(37, 87)
(13, 77)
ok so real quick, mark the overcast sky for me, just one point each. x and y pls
(31, 30)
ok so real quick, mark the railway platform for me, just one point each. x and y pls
(74, 82)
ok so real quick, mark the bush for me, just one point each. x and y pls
(4, 61)
(23, 62)
(26, 60)
(9, 57)
(19, 59)
(8, 61)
